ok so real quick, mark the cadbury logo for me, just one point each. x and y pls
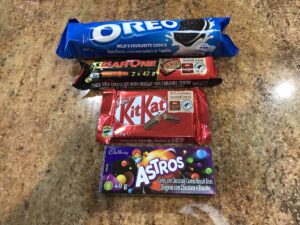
(139, 110)
(117, 152)
(106, 33)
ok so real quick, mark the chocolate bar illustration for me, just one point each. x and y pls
(168, 66)
(152, 122)
(171, 118)
(106, 131)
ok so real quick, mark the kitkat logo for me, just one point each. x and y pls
(139, 110)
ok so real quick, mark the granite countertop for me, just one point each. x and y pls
(50, 162)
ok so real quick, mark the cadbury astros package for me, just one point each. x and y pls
(159, 116)
(158, 170)
(147, 73)
(142, 38)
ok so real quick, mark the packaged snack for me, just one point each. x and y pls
(158, 170)
(141, 38)
(173, 116)
(147, 73)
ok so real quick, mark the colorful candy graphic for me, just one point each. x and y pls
(189, 160)
(195, 176)
(108, 185)
(124, 163)
(208, 171)
(200, 154)
(121, 178)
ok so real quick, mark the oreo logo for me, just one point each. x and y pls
(192, 30)
(109, 32)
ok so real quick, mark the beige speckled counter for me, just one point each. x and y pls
(49, 161)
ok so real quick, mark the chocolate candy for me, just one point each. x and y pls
(163, 170)
(189, 160)
(140, 38)
(121, 179)
(208, 171)
(152, 122)
(124, 163)
(147, 73)
(199, 165)
(156, 119)
(200, 154)
(177, 116)
(171, 118)
(168, 66)
(195, 176)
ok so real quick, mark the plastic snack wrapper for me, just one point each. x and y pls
(142, 38)
(154, 116)
(147, 73)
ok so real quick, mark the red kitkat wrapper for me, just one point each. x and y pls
(173, 116)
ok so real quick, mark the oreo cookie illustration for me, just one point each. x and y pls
(193, 31)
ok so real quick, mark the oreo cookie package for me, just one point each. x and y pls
(141, 38)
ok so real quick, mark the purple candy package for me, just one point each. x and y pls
(158, 170)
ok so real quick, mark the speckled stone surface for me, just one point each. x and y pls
(50, 163)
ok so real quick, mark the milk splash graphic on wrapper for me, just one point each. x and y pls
(200, 45)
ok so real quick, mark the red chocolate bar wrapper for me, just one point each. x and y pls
(147, 73)
(172, 116)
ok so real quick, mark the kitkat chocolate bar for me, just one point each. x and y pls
(158, 170)
(154, 116)
(147, 73)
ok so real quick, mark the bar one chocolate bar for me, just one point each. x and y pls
(147, 73)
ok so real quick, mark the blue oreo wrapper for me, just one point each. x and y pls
(145, 38)
(158, 170)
